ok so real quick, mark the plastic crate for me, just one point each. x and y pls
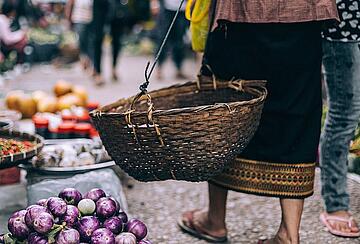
(9, 176)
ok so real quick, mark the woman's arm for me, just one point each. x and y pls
(68, 9)
(6, 35)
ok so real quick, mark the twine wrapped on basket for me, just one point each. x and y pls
(183, 132)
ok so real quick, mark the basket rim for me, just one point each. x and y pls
(260, 97)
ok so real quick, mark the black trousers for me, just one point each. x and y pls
(175, 44)
(117, 27)
(98, 37)
(100, 8)
(288, 56)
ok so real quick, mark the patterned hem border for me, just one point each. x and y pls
(282, 180)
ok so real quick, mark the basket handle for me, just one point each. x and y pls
(213, 77)
(150, 112)
(249, 86)
(143, 87)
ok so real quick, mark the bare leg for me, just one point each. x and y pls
(159, 74)
(217, 207)
(288, 232)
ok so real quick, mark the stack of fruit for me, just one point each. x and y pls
(72, 218)
(66, 96)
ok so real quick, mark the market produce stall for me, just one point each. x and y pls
(17, 147)
(72, 154)
(354, 156)
(65, 96)
(71, 217)
(66, 154)
(46, 176)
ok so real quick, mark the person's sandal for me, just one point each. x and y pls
(115, 78)
(325, 218)
(186, 224)
(98, 80)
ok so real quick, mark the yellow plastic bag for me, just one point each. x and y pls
(198, 15)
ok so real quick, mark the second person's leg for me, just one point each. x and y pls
(178, 47)
(342, 76)
(116, 34)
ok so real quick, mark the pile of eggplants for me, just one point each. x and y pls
(73, 218)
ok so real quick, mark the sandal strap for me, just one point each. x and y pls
(349, 220)
(188, 218)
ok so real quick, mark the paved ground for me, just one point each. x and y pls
(130, 71)
(159, 204)
(248, 217)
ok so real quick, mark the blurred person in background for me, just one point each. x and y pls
(100, 17)
(341, 60)
(11, 40)
(121, 19)
(79, 13)
(30, 12)
(175, 44)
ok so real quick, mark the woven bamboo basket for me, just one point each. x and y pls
(183, 132)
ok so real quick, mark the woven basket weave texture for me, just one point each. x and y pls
(185, 132)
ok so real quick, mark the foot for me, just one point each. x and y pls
(159, 75)
(83, 63)
(114, 77)
(342, 226)
(199, 220)
(180, 76)
(276, 240)
(282, 237)
(86, 64)
(99, 80)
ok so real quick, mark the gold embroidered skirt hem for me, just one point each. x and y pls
(284, 180)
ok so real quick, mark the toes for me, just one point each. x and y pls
(354, 228)
(344, 228)
(335, 225)
(186, 218)
(187, 215)
(199, 218)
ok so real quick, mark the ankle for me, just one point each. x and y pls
(343, 213)
(285, 237)
(216, 222)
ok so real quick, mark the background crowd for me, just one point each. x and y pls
(42, 31)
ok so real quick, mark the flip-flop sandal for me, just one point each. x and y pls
(196, 231)
(325, 218)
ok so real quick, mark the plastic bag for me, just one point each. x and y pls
(198, 15)
(105, 179)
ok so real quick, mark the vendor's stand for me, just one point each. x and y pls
(47, 182)
(354, 156)
(40, 180)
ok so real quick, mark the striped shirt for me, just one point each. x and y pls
(275, 11)
(82, 11)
